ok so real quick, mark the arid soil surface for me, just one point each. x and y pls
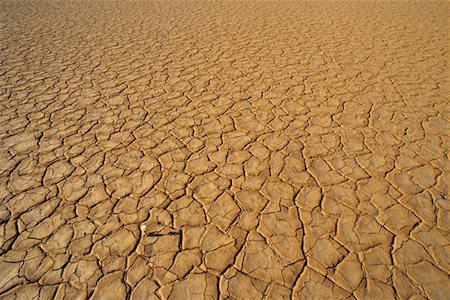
(224, 150)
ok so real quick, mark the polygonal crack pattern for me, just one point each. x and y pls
(224, 150)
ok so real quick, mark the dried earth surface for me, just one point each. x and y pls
(224, 150)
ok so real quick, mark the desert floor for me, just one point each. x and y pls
(224, 150)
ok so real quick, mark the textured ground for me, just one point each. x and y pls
(239, 150)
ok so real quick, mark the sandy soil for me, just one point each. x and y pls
(231, 150)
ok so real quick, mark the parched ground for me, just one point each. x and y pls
(224, 150)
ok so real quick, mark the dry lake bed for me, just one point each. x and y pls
(224, 150)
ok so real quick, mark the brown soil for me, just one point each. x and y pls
(224, 149)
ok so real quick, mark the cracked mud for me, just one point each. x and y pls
(224, 150)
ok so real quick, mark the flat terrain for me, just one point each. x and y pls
(224, 150)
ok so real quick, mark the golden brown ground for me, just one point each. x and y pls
(232, 150)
